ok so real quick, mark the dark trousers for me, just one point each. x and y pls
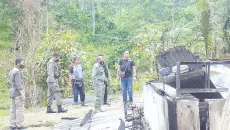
(81, 90)
(106, 93)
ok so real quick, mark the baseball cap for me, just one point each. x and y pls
(75, 58)
(19, 60)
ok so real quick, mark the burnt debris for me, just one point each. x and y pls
(87, 117)
(191, 77)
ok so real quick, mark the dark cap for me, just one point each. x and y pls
(100, 55)
(75, 58)
(19, 60)
(56, 54)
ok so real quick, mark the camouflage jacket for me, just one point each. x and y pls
(52, 71)
(98, 73)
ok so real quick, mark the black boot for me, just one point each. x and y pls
(12, 128)
(21, 128)
(61, 110)
(49, 110)
(106, 103)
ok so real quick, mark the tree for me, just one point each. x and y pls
(28, 39)
(205, 25)
(92, 5)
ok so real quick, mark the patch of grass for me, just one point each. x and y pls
(3, 113)
(44, 103)
(30, 109)
(4, 90)
(4, 45)
(4, 100)
(4, 104)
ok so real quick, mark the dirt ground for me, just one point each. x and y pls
(37, 119)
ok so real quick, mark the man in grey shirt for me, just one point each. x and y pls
(17, 95)
(53, 87)
(76, 80)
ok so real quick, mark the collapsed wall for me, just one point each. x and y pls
(163, 111)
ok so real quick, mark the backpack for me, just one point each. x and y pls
(76, 74)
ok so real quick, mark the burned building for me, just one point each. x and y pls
(184, 97)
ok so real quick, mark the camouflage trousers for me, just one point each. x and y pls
(16, 112)
(53, 92)
(99, 90)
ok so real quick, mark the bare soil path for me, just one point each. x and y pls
(37, 119)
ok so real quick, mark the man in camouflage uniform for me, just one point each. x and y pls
(107, 76)
(98, 78)
(53, 87)
(17, 95)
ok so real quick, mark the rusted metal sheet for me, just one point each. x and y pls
(200, 90)
(225, 125)
(155, 109)
(188, 115)
(215, 113)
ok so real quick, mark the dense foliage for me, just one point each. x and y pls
(89, 27)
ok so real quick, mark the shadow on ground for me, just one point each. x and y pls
(48, 124)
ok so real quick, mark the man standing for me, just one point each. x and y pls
(76, 80)
(53, 87)
(98, 78)
(127, 73)
(17, 95)
(107, 76)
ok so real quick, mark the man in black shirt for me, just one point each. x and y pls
(127, 73)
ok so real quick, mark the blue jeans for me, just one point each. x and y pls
(81, 89)
(127, 86)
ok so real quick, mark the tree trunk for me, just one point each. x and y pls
(92, 3)
(81, 4)
(29, 37)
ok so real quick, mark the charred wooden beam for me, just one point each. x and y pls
(87, 117)
(122, 125)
